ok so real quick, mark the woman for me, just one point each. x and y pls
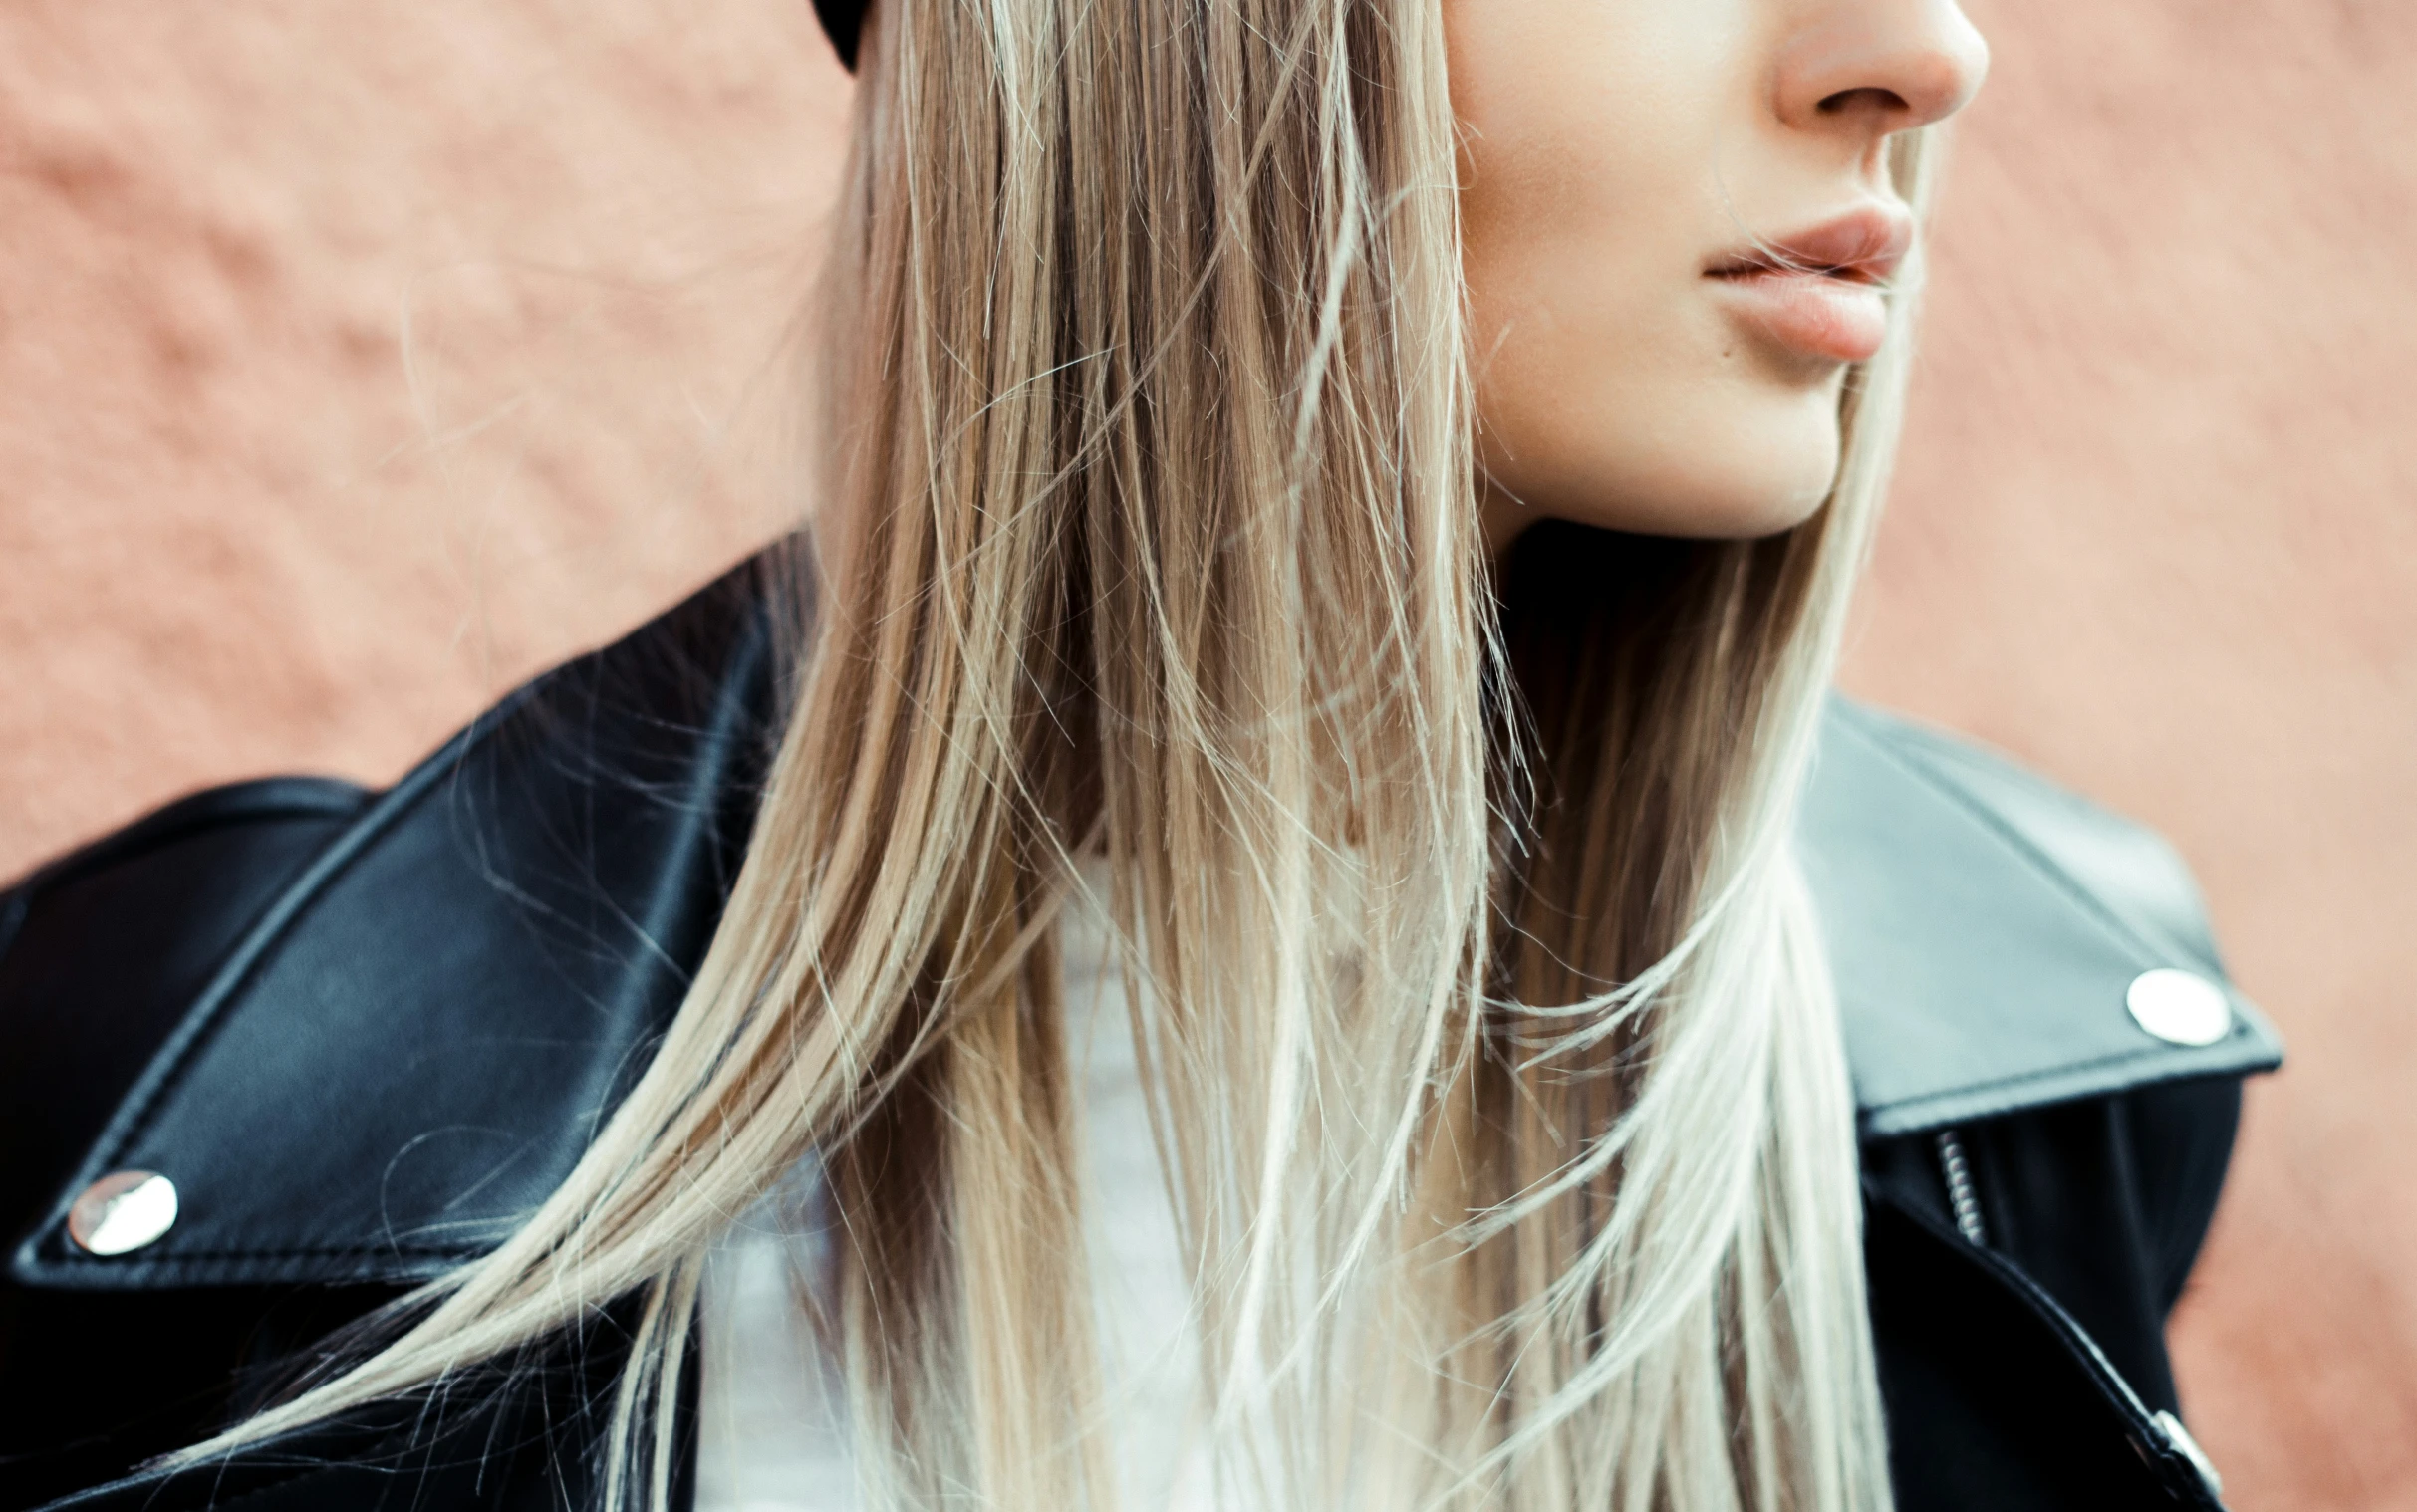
(1338, 516)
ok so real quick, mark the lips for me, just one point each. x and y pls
(1820, 291)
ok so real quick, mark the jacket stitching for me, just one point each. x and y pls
(262, 798)
(165, 1074)
(167, 1070)
(308, 1252)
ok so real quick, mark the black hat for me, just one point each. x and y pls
(843, 20)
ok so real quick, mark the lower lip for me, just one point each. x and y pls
(1814, 313)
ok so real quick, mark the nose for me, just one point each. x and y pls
(1886, 66)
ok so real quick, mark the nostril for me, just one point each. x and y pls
(1886, 101)
(1883, 78)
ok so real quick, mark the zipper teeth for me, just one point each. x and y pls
(1960, 1194)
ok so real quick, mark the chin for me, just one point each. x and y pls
(1726, 509)
(1731, 486)
(1726, 456)
(1761, 465)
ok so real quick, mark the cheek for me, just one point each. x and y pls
(1618, 406)
(1612, 388)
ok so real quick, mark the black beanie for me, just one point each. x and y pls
(843, 20)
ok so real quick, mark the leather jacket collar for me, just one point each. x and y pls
(418, 1002)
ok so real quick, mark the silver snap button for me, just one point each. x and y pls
(2179, 1007)
(123, 1211)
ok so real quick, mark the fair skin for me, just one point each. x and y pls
(1677, 226)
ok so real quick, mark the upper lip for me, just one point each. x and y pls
(1864, 244)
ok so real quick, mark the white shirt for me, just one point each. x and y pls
(775, 1434)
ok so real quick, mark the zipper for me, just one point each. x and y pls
(2171, 1440)
(1962, 1198)
(2158, 1438)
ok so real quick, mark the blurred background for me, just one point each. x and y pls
(358, 360)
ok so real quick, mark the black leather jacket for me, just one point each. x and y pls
(361, 1032)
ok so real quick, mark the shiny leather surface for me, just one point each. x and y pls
(366, 1033)
(1985, 926)
(2023, 1374)
(103, 955)
(404, 1047)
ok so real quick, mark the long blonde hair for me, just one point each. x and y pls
(1493, 1058)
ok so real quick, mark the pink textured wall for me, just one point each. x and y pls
(359, 360)
(2156, 529)
(356, 361)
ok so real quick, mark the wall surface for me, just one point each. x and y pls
(360, 360)
(355, 362)
(2156, 531)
